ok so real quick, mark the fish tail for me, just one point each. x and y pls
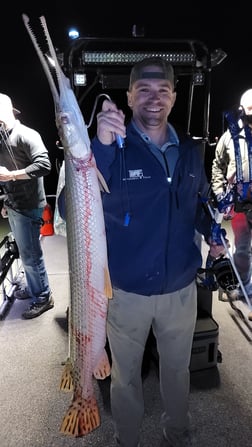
(108, 287)
(102, 369)
(82, 417)
(66, 383)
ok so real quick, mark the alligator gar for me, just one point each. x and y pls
(89, 279)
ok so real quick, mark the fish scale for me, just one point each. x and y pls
(89, 279)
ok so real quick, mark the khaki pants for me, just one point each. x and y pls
(130, 317)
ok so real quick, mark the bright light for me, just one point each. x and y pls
(73, 33)
(80, 79)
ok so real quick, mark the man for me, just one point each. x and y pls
(224, 178)
(24, 162)
(151, 214)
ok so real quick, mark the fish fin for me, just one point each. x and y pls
(82, 417)
(107, 284)
(66, 383)
(102, 182)
(102, 369)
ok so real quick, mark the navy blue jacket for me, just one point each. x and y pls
(152, 252)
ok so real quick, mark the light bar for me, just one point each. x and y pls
(129, 58)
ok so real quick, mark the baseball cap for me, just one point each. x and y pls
(165, 70)
(6, 106)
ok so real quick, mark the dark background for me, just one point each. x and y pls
(23, 78)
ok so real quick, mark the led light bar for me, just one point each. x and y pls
(129, 58)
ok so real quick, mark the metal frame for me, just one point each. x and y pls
(10, 266)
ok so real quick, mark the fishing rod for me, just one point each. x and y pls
(222, 272)
(237, 196)
(218, 236)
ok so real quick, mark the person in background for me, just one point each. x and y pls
(151, 215)
(223, 178)
(24, 162)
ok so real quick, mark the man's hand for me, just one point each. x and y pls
(110, 121)
(5, 174)
(217, 250)
(4, 212)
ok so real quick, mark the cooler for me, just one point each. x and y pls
(205, 343)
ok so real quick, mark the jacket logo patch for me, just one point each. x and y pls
(135, 173)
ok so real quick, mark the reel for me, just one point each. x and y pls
(220, 274)
(225, 275)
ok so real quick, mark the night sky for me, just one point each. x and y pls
(23, 78)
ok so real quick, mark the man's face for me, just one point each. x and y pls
(151, 100)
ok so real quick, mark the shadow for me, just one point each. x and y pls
(62, 323)
(205, 379)
(5, 306)
(104, 387)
